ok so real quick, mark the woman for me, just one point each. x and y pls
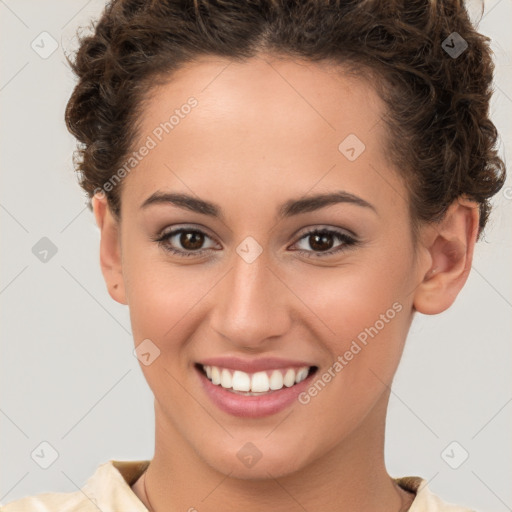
(280, 186)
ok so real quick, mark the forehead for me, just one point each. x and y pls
(268, 93)
(263, 124)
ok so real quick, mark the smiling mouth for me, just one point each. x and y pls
(258, 383)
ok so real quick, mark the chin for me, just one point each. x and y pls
(276, 466)
(259, 459)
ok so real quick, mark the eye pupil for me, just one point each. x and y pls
(320, 240)
(191, 240)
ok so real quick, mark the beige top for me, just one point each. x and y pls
(109, 490)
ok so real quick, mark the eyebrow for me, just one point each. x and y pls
(288, 209)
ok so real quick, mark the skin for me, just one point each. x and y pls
(264, 132)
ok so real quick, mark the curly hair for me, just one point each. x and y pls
(437, 104)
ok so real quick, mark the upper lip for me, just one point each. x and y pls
(253, 365)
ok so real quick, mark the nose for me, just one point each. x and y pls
(251, 306)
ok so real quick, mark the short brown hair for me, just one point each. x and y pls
(441, 138)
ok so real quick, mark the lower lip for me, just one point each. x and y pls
(252, 406)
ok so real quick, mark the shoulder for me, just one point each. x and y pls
(425, 500)
(107, 489)
(51, 501)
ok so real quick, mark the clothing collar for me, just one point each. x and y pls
(110, 488)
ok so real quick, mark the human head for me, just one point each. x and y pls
(156, 289)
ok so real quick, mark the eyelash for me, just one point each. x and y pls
(347, 240)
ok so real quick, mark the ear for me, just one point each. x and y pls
(450, 244)
(110, 248)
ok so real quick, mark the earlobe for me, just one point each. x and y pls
(110, 248)
(450, 244)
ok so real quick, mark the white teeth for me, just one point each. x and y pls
(259, 382)
(215, 375)
(241, 381)
(276, 380)
(289, 378)
(226, 380)
(301, 375)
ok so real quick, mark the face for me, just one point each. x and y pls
(249, 274)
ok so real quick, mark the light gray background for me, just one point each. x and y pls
(67, 371)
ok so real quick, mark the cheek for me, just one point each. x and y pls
(161, 299)
(368, 314)
(365, 310)
(351, 298)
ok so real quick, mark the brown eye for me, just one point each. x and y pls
(191, 240)
(321, 242)
(184, 242)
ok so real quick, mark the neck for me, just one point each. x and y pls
(350, 477)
